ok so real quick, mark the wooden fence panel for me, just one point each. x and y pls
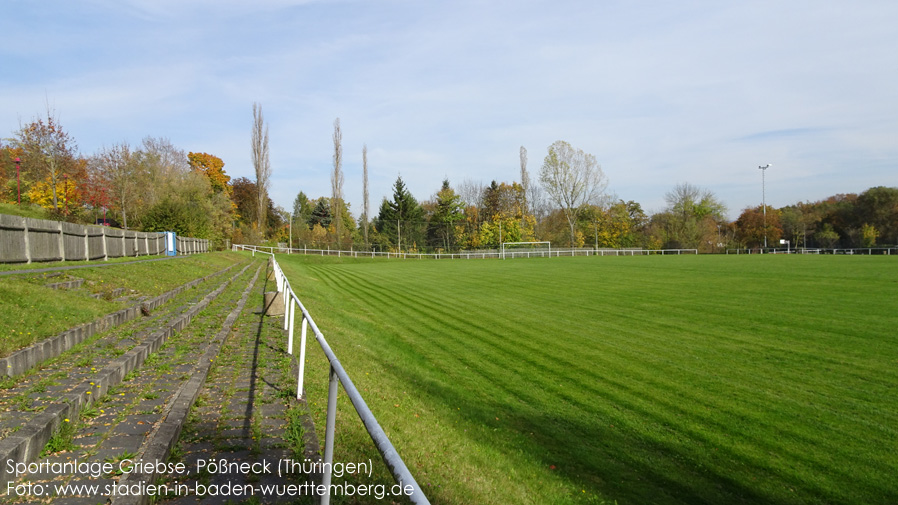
(96, 242)
(43, 240)
(26, 240)
(13, 247)
(74, 244)
(114, 243)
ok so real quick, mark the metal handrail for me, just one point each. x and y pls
(338, 375)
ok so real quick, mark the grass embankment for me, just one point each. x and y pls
(32, 312)
(672, 380)
(26, 210)
(6, 267)
(35, 211)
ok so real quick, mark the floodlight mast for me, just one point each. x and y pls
(764, 200)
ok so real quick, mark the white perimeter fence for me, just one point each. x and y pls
(338, 376)
(554, 253)
(885, 251)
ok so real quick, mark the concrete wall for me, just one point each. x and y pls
(27, 240)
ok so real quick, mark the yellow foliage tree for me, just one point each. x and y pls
(213, 168)
(579, 239)
(319, 235)
(67, 191)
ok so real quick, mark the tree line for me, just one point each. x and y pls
(152, 186)
(156, 186)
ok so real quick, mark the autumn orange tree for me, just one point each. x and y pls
(48, 153)
(213, 168)
(752, 226)
(246, 208)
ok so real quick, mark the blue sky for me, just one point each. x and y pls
(660, 92)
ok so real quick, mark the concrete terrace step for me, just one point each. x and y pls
(44, 385)
(246, 417)
(241, 415)
(25, 359)
(69, 284)
(74, 387)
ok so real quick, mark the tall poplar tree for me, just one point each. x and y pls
(365, 192)
(261, 164)
(525, 178)
(337, 183)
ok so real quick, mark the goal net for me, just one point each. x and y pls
(526, 250)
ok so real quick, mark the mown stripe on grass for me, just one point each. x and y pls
(683, 358)
(629, 397)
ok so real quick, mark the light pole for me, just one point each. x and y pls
(105, 204)
(764, 200)
(65, 192)
(18, 186)
(596, 224)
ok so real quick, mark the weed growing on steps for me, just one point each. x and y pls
(115, 460)
(90, 411)
(256, 431)
(62, 440)
(295, 432)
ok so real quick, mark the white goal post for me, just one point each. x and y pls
(533, 250)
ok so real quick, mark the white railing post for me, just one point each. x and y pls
(302, 357)
(287, 299)
(338, 376)
(287, 308)
(329, 436)
(288, 320)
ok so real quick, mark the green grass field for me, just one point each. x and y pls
(690, 379)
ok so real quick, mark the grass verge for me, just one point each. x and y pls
(26, 210)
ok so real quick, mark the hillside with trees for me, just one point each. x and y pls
(156, 186)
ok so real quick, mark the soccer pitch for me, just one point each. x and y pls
(673, 380)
